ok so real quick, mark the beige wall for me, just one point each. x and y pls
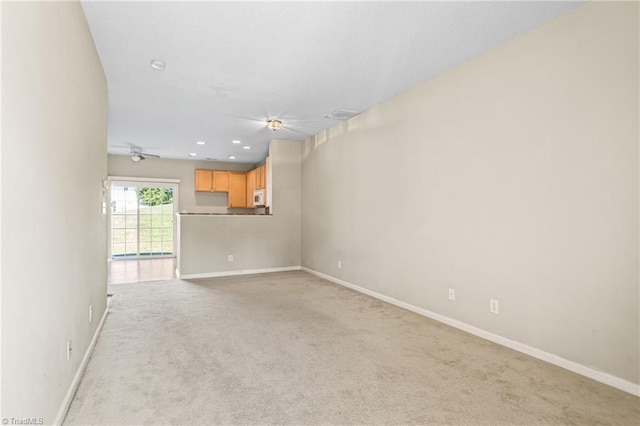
(190, 201)
(256, 242)
(513, 176)
(53, 230)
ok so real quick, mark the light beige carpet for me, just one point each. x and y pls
(290, 348)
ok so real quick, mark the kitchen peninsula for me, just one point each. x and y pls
(244, 240)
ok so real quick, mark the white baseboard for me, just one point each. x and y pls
(596, 375)
(237, 272)
(66, 402)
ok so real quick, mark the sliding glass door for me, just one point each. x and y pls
(142, 219)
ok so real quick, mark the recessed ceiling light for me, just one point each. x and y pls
(200, 142)
(192, 154)
(157, 64)
(231, 157)
(237, 142)
(246, 147)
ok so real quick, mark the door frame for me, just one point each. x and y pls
(139, 182)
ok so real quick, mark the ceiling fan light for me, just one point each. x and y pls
(136, 157)
(274, 124)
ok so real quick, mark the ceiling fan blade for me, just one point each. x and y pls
(150, 155)
(294, 129)
(239, 117)
(309, 122)
(130, 145)
(256, 132)
(306, 129)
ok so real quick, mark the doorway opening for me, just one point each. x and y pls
(142, 219)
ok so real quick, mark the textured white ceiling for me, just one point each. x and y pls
(232, 65)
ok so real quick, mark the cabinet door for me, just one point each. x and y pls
(260, 177)
(267, 164)
(204, 180)
(220, 181)
(237, 190)
(251, 186)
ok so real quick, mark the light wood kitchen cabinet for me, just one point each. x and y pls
(237, 190)
(267, 166)
(261, 181)
(251, 186)
(204, 180)
(212, 180)
(239, 185)
(220, 181)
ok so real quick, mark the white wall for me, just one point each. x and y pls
(257, 242)
(53, 230)
(513, 176)
(191, 201)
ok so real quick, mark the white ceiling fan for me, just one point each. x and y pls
(137, 154)
(284, 123)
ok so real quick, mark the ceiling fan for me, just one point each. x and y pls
(300, 128)
(296, 126)
(137, 154)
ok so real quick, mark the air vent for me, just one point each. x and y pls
(340, 114)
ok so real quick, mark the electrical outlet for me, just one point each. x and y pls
(339, 264)
(68, 350)
(230, 258)
(452, 294)
(90, 313)
(494, 306)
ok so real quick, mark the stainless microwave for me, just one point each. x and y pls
(258, 198)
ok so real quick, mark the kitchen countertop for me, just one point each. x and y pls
(223, 214)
